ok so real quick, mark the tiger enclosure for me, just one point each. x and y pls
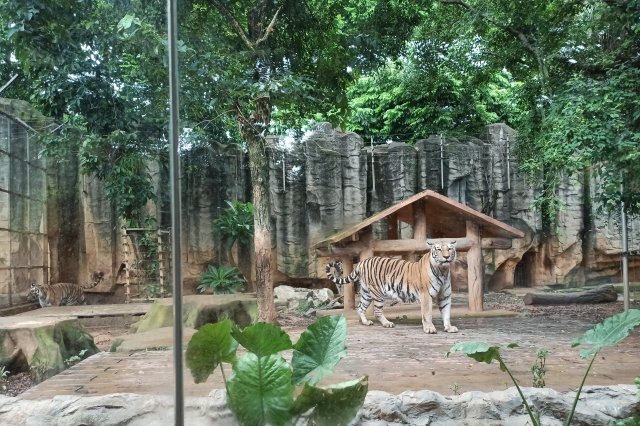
(332, 212)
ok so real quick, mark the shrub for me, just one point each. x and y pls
(221, 279)
(262, 389)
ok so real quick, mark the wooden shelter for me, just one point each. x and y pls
(432, 217)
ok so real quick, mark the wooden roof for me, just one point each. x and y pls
(445, 219)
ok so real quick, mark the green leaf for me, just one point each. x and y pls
(333, 405)
(319, 349)
(608, 332)
(208, 347)
(260, 390)
(480, 351)
(126, 22)
(262, 339)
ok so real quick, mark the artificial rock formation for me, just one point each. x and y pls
(42, 346)
(198, 310)
(598, 406)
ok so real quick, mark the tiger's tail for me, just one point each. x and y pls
(339, 279)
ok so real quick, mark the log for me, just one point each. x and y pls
(603, 294)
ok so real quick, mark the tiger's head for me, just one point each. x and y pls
(443, 253)
(34, 292)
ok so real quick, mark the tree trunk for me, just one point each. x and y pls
(253, 130)
(602, 294)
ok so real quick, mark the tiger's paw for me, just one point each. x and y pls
(388, 324)
(451, 329)
(366, 322)
(429, 329)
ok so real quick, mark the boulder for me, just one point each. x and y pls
(198, 310)
(292, 298)
(42, 345)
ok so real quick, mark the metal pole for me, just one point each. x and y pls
(174, 179)
(373, 171)
(625, 252)
(441, 161)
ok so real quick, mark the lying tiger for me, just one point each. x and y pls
(63, 294)
(428, 279)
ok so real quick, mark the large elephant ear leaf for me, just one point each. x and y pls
(208, 347)
(319, 349)
(263, 339)
(480, 351)
(260, 390)
(334, 405)
(608, 333)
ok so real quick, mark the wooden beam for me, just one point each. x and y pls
(402, 246)
(348, 292)
(475, 267)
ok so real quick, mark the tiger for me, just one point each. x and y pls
(63, 294)
(427, 280)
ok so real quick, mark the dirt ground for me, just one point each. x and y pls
(405, 358)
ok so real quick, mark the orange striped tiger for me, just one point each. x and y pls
(428, 279)
(63, 294)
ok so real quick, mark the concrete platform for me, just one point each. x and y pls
(395, 359)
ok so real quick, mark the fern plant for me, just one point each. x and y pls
(221, 280)
(607, 333)
(262, 387)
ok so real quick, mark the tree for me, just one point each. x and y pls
(578, 63)
(75, 65)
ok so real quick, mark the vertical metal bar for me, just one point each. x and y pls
(373, 171)
(441, 161)
(625, 251)
(174, 180)
(284, 175)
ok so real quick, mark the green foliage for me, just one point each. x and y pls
(538, 369)
(221, 279)
(236, 223)
(211, 345)
(262, 388)
(607, 333)
(72, 360)
(319, 349)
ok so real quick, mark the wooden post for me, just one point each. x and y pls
(348, 291)
(419, 222)
(367, 252)
(392, 227)
(475, 267)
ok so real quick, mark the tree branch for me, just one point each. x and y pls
(234, 24)
(13, 77)
(269, 29)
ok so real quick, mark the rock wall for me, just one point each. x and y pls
(480, 172)
(332, 179)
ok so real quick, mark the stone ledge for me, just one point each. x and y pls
(598, 405)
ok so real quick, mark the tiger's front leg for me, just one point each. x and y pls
(427, 314)
(445, 310)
